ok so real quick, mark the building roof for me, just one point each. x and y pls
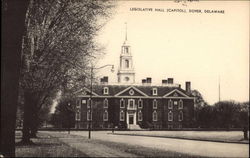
(140, 90)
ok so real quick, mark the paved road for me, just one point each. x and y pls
(199, 148)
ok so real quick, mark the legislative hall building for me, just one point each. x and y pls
(127, 105)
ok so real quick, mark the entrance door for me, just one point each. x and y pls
(131, 119)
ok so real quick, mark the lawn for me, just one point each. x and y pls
(61, 144)
(227, 136)
(46, 146)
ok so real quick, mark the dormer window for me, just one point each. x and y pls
(105, 90)
(154, 91)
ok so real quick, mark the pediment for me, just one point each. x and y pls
(176, 93)
(131, 91)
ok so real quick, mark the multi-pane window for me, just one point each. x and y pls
(89, 115)
(170, 104)
(89, 103)
(180, 104)
(154, 104)
(78, 115)
(105, 103)
(122, 103)
(78, 104)
(139, 116)
(154, 91)
(105, 115)
(131, 103)
(122, 116)
(170, 116)
(105, 90)
(180, 116)
(154, 116)
(139, 103)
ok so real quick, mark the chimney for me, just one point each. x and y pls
(105, 79)
(188, 87)
(164, 82)
(149, 80)
(170, 81)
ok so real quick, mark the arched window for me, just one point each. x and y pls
(170, 116)
(154, 116)
(122, 116)
(180, 116)
(105, 103)
(105, 115)
(127, 63)
(139, 116)
(180, 104)
(170, 104)
(140, 103)
(155, 104)
(122, 103)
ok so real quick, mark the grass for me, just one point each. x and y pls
(227, 136)
(136, 150)
(46, 146)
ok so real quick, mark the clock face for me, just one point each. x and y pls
(126, 78)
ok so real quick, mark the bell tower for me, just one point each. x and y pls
(126, 73)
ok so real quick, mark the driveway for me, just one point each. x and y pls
(193, 147)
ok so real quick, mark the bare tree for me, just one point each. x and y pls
(60, 38)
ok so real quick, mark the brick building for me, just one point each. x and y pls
(129, 105)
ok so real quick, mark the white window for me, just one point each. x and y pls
(139, 116)
(170, 116)
(105, 103)
(122, 116)
(180, 104)
(180, 116)
(154, 116)
(78, 115)
(105, 90)
(140, 103)
(154, 91)
(131, 103)
(89, 115)
(170, 104)
(89, 103)
(175, 103)
(105, 115)
(122, 103)
(154, 104)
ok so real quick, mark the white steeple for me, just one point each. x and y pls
(126, 72)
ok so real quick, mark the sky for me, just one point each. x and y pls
(199, 47)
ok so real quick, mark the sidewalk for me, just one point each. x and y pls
(198, 139)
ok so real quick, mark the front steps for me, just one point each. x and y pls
(134, 127)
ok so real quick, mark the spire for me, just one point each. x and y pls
(126, 31)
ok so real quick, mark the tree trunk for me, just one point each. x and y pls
(29, 116)
(13, 26)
